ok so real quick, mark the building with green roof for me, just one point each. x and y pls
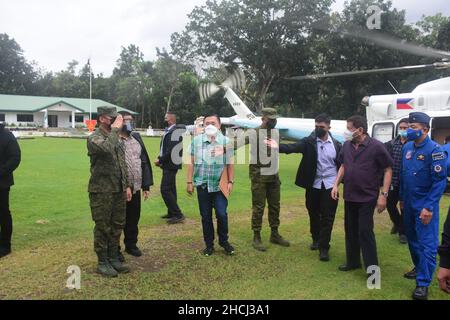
(49, 112)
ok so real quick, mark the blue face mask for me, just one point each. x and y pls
(413, 135)
(403, 133)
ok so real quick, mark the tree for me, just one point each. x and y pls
(16, 74)
(267, 38)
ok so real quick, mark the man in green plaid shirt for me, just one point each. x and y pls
(208, 162)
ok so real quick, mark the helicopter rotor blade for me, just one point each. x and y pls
(235, 81)
(206, 90)
(385, 41)
(438, 65)
(389, 42)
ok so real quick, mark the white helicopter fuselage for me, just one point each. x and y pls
(433, 98)
(383, 114)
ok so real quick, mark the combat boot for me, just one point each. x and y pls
(104, 267)
(276, 238)
(113, 257)
(257, 243)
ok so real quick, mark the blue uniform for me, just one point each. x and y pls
(423, 181)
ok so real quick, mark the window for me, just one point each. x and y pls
(2, 117)
(78, 119)
(421, 101)
(25, 118)
(383, 132)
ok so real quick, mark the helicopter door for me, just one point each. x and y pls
(440, 129)
(383, 132)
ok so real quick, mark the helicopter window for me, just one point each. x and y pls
(448, 102)
(383, 132)
(421, 101)
(440, 129)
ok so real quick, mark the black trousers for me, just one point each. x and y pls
(169, 192)
(359, 234)
(131, 230)
(322, 212)
(6, 225)
(395, 215)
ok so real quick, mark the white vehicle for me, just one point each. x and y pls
(433, 98)
(383, 111)
(383, 114)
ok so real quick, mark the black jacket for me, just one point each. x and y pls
(306, 173)
(444, 249)
(168, 145)
(9, 157)
(147, 173)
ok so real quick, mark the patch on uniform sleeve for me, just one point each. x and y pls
(438, 156)
(409, 155)
(438, 168)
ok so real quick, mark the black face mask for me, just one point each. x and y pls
(271, 124)
(320, 133)
(127, 127)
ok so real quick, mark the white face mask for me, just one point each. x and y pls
(348, 135)
(211, 131)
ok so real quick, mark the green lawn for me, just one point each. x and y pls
(53, 230)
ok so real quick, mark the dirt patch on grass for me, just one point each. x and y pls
(161, 252)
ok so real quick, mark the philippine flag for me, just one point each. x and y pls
(405, 104)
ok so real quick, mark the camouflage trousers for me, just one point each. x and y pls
(261, 192)
(109, 214)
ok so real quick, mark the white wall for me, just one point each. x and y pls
(63, 118)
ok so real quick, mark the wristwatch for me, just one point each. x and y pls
(231, 181)
(384, 194)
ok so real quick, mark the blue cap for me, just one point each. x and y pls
(419, 117)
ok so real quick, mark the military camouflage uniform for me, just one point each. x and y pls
(264, 187)
(107, 187)
(265, 181)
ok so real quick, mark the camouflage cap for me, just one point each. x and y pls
(270, 113)
(107, 111)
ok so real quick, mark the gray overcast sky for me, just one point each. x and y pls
(53, 32)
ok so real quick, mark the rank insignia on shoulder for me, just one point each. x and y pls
(408, 155)
(421, 157)
(438, 156)
(438, 169)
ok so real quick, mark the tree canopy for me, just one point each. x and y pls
(269, 40)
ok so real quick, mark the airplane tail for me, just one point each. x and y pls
(238, 105)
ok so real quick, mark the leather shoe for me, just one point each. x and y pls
(411, 275)
(346, 267)
(420, 293)
(324, 256)
(135, 252)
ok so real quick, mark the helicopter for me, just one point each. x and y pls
(383, 112)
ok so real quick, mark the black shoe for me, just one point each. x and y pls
(4, 252)
(176, 220)
(229, 250)
(121, 257)
(167, 216)
(346, 267)
(411, 275)
(135, 252)
(420, 293)
(208, 251)
(314, 246)
(394, 230)
(324, 256)
(403, 239)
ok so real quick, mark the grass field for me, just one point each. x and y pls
(53, 230)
